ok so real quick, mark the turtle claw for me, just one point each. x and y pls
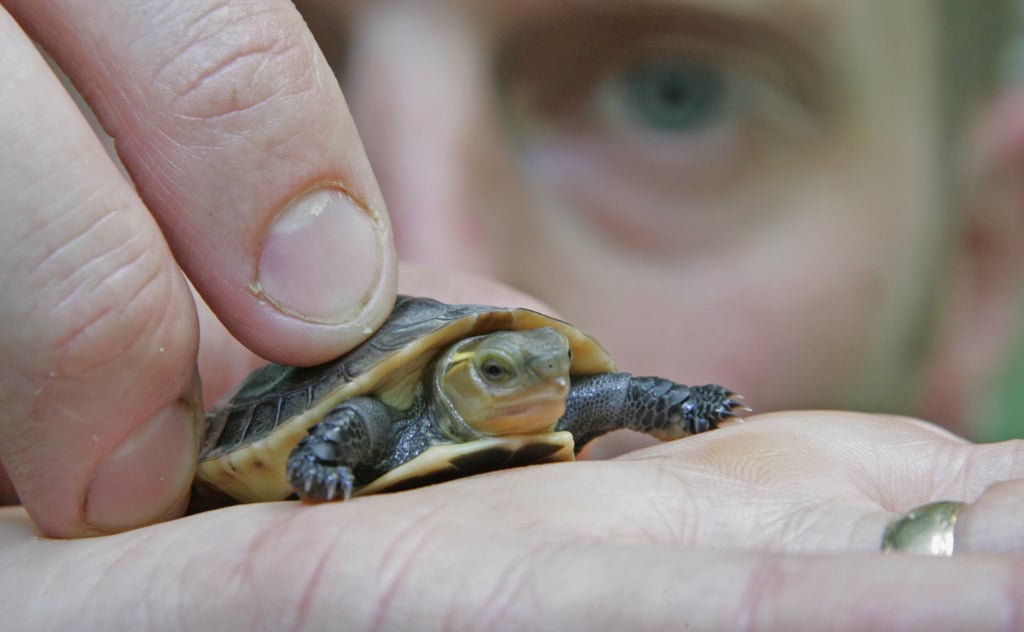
(340, 482)
(315, 474)
(734, 407)
(711, 404)
(320, 467)
(319, 482)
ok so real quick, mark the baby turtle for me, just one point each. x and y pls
(438, 392)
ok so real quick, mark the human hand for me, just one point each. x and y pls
(97, 336)
(772, 524)
(224, 115)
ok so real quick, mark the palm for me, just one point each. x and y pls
(495, 550)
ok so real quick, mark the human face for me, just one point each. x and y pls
(738, 191)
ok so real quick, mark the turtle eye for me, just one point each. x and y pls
(495, 371)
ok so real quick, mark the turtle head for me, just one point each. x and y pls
(509, 382)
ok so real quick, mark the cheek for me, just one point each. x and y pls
(793, 314)
(770, 323)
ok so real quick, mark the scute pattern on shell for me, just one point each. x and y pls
(275, 393)
(251, 433)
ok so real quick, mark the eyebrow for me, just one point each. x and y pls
(794, 31)
(798, 26)
(798, 18)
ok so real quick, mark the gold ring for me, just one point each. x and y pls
(925, 530)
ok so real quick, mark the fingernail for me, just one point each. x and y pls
(322, 257)
(148, 475)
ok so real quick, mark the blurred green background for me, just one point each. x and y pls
(1007, 417)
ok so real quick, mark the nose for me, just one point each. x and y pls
(552, 366)
(551, 369)
(421, 95)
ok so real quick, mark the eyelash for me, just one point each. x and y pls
(613, 96)
(669, 96)
(575, 74)
(634, 133)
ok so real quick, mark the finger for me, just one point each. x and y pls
(457, 286)
(994, 523)
(895, 461)
(224, 362)
(7, 494)
(97, 329)
(831, 481)
(983, 465)
(234, 129)
(414, 566)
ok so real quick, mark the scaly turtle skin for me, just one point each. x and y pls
(438, 392)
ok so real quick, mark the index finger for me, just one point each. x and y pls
(236, 134)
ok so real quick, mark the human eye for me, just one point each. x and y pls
(634, 119)
(651, 77)
(671, 95)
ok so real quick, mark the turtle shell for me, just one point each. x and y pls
(251, 433)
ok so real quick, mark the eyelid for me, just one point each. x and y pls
(507, 372)
(576, 54)
(497, 358)
(753, 86)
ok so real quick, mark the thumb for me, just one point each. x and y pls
(239, 140)
(239, 143)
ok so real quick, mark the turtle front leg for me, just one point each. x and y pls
(652, 405)
(355, 434)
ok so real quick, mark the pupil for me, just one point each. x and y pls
(673, 96)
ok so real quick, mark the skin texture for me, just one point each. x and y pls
(718, 531)
(800, 244)
(820, 261)
(109, 310)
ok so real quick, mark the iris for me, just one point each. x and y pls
(674, 97)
